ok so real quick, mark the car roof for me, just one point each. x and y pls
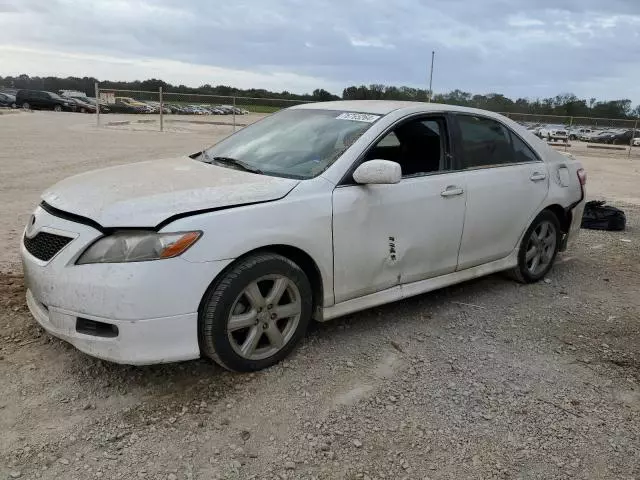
(384, 107)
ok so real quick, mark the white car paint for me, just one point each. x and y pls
(515, 202)
(144, 194)
(371, 244)
(403, 234)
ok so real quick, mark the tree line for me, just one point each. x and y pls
(567, 104)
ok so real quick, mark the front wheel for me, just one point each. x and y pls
(538, 249)
(256, 314)
(57, 108)
(26, 106)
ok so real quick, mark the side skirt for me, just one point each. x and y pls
(416, 288)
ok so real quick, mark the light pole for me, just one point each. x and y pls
(433, 55)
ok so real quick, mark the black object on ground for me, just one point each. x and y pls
(598, 216)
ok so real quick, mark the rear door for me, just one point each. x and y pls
(506, 184)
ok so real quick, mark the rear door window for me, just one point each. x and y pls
(488, 143)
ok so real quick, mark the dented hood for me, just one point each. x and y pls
(146, 193)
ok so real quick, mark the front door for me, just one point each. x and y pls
(506, 184)
(387, 235)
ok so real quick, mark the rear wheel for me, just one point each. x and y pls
(57, 108)
(256, 314)
(26, 106)
(538, 249)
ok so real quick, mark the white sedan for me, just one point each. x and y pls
(314, 212)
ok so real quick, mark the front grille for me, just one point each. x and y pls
(44, 245)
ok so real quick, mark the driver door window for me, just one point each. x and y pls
(419, 147)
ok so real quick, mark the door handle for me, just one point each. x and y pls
(451, 191)
(537, 176)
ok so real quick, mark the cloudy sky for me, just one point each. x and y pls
(531, 48)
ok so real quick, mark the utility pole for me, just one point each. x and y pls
(433, 54)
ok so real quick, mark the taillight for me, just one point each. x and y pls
(582, 176)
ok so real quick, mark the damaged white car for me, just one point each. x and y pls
(311, 213)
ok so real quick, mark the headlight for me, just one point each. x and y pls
(138, 246)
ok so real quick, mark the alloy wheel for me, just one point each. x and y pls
(541, 248)
(264, 317)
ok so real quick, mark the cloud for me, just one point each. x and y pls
(519, 48)
(36, 61)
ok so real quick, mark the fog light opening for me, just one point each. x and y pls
(95, 328)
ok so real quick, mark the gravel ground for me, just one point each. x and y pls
(488, 379)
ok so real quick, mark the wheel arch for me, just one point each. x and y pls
(564, 217)
(296, 255)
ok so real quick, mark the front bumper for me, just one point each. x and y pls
(153, 305)
(140, 342)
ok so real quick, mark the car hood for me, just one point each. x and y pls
(147, 193)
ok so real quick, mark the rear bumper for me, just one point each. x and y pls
(574, 229)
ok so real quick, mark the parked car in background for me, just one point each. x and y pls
(636, 142)
(177, 108)
(134, 106)
(7, 100)
(603, 136)
(155, 106)
(577, 133)
(588, 136)
(104, 106)
(622, 137)
(315, 212)
(614, 137)
(553, 133)
(43, 100)
(82, 106)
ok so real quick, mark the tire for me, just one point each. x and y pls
(243, 292)
(523, 272)
(57, 108)
(26, 106)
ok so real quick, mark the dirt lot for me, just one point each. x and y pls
(489, 379)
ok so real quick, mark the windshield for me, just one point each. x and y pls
(293, 143)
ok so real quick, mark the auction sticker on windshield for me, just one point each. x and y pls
(358, 117)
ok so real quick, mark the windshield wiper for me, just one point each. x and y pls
(231, 161)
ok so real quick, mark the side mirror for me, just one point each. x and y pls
(380, 172)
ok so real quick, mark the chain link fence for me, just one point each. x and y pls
(161, 107)
(158, 108)
(597, 133)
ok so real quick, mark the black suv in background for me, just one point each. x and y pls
(41, 100)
